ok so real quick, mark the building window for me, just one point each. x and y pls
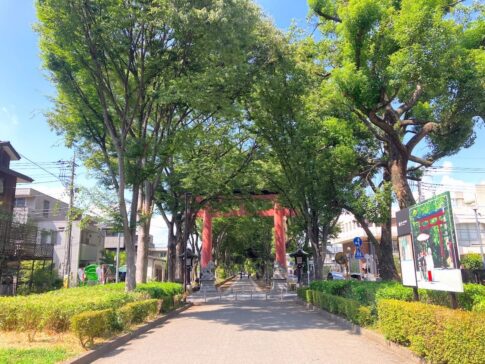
(45, 210)
(467, 234)
(44, 234)
(2, 185)
(53, 237)
(20, 202)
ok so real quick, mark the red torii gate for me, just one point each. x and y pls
(277, 212)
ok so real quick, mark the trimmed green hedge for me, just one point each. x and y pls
(350, 309)
(368, 293)
(53, 311)
(439, 334)
(137, 312)
(90, 324)
(160, 290)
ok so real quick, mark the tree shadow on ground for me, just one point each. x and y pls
(262, 315)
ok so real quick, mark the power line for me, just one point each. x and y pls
(34, 163)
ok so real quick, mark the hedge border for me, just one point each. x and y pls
(115, 343)
(355, 329)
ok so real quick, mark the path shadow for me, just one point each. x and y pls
(262, 315)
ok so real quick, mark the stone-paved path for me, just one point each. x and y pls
(250, 332)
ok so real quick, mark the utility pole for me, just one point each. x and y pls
(420, 194)
(479, 235)
(67, 265)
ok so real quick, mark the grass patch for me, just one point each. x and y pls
(33, 356)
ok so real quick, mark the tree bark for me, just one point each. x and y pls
(398, 169)
(171, 252)
(313, 235)
(385, 256)
(145, 215)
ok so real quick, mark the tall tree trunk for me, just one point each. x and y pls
(145, 216)
(385, 256)
(129, 229)
(142, 251)
(171, 244)
(313, 235)
(179, 250)
(398, 169)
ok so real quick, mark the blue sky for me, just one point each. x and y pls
(25, 92)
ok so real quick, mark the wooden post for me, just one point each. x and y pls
(454, 301)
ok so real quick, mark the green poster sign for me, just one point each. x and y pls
(435, 247)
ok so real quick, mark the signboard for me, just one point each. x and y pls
(358, 254)
(357, 242)
(402, 221)
(405, 242)
(434, 245)
(408, 270)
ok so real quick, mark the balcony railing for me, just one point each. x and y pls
(20, 241)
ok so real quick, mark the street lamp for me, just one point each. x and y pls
(299, 255)
(479, 235)
(187, 259)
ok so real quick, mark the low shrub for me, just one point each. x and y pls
(137, 312)
(178, 300)
(159, 289)
(91, 324)
(362, 292)
(437, 333)
(221, 273)
(167, 303)
(53, 311)
(472, 261)
(473, 295)
(396, 291)
(350, 309)
(368, 293)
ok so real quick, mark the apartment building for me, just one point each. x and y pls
(50, 216)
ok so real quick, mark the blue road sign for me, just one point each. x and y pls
(358, 254)
(357, 241)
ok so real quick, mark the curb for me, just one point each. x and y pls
(368, 334)
(113, 344)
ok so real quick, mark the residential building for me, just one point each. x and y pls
(33, 205)
(19, 242)
(467, 233)
(50, 216)
(157, 256)
(8, 177)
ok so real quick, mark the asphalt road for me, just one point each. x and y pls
(250, 332)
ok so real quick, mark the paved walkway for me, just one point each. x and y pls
(250, 332)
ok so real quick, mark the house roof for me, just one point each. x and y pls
(14, 156)
(7, 148)
(21, 178)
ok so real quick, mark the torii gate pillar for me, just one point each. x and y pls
(277, 212)
(280, 236)
(206, 238)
